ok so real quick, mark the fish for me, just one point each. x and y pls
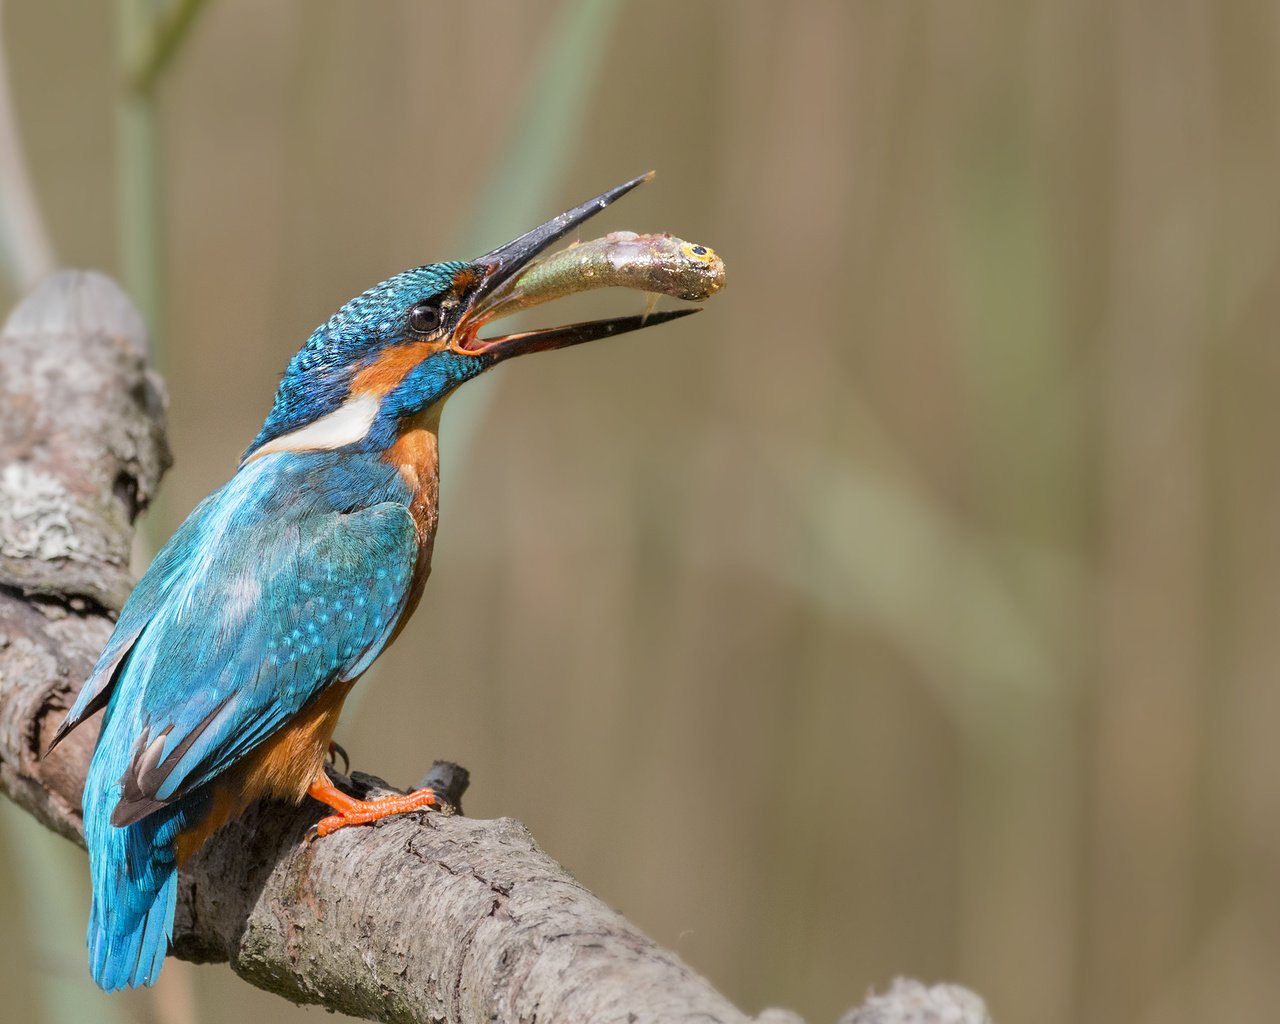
(659, 264)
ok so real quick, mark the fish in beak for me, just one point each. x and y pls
(499, 269)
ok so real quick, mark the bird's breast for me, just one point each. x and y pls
(416, 455)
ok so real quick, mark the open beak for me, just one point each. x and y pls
(507, 261)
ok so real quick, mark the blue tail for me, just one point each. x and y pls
(126, 951)
(135, 880)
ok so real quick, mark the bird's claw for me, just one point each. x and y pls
(366, 812)
(336, 751)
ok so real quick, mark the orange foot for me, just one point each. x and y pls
(360, 812)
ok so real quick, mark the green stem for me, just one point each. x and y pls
(161, 42)
(137, 175)
(540, 145)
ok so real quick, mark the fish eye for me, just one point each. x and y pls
(425, 317)
(698, 252)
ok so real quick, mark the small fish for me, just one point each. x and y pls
(659, 264)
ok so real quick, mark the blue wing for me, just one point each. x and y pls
(268, 594)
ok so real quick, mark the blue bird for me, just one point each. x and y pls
(229, 664)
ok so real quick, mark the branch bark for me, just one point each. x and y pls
(422, 918)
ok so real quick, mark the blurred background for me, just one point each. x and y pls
(913, 610)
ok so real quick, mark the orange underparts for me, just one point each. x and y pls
(225, 806)
(281, 768)
(360, 812)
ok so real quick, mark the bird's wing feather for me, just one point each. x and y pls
(263, 613)
(137, 612)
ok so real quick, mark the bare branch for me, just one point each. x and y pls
(424, 917)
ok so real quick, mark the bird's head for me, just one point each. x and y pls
(404, 345)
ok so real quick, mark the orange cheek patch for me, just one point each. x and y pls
(463, 280)
(385, 373)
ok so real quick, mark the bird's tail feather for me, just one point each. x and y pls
(128, 955)
(135, 886)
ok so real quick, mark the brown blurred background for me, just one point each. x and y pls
(913, 610)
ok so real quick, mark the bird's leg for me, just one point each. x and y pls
(360, 812)
(336, 751)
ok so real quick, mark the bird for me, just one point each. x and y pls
(226, 672)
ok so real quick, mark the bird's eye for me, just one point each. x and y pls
(424, 318)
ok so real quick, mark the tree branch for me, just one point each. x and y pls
(423, 918)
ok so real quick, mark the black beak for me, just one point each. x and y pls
(572, 334)
(507, 261)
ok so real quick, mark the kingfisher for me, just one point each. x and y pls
(228, 666)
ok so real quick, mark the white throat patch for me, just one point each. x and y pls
(346, 425)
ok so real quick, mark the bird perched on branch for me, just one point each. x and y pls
(229, 664)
